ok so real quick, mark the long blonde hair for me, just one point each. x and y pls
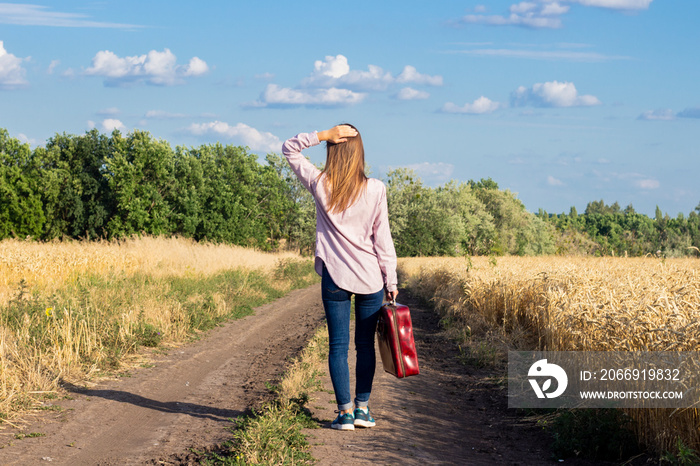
(345, 172)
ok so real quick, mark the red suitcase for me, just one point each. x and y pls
(395, 340)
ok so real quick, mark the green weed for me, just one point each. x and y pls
(683, 456)
(21, 436)
(49, 408)
(272, 435)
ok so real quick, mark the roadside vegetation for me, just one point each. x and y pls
(71, 311)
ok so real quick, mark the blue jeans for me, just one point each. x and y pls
(336, 303)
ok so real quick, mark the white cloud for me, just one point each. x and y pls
(375, 78)
(110, 124)
(616, 4)
(528, 14)
(240, 133)
(163, 115)
(408, 93)
(335, 71)
(635, 179)
(480, 9)
(196, 67)
(568, 55)
(12, 75)
(552, 94)
(514, 20)
(333, 83)
(332, 67)
(665, 114)
(39, 15)
(546, 13)
(551, 181)
(522, 7)
(276, 95)
(159, 68)
(52, 66)
(566, 159)
(111, 111)
(554, 9)
(479, 106)
(411, 75)
(647, 184)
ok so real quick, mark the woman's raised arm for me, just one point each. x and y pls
(337, 134)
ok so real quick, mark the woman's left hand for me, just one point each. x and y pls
(337, 134)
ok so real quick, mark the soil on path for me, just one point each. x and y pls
(184, 403)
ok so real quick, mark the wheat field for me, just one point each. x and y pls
(68, 310)
(573, 304)
(46, 267)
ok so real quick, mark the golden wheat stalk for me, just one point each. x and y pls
(574, 304)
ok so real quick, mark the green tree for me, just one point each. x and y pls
(188, 198)
(422, 222)
(75, 193)
(140, 174)
(573, 213)
(478, 231)
(274, 205)
(233, 196)
(21, 212)
(516, 228)
(298, 222)
(694, 231)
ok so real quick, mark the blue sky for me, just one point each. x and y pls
(563, 102)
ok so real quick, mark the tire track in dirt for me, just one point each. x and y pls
(184, 402)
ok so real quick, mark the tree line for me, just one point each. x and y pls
(94, 186)
(610, 230)
(97, 186)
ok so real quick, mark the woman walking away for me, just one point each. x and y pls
(354, 255)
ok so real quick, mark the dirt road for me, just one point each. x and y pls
(450, 414)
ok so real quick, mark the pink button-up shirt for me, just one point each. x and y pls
(356, 244)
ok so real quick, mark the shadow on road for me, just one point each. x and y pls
(176, 407)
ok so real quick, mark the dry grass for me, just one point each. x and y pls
(47, 267)
(574, 304)
(69, 309)
(303, 376)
